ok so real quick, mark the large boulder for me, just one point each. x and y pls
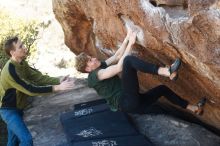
(188, 29)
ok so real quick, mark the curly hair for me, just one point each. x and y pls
(81, 62)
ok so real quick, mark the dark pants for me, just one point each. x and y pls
(134, 102)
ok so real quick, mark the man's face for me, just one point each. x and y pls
(20, 50)
(92, 64)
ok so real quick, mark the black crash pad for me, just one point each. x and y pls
(84, 111)
(95, 126)
(89, 104)
(138, 140)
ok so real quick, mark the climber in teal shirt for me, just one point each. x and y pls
(123, 93)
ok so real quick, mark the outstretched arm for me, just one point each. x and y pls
(117, 68)
(115, 58)
(26, 87)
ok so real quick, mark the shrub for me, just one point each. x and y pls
(26, 30)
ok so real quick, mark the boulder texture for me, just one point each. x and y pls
(188, 29)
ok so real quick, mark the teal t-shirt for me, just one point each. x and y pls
(110, 89)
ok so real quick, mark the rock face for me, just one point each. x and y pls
(188, 29)
(177, 132)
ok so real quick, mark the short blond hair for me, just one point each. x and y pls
(81, 62)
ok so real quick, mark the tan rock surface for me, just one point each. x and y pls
(190, 32)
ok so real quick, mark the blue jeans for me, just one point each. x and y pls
(18, 134)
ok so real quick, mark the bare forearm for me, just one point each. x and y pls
(118, 54)
(122, 48)
(114, 69)
(126, 53)
(55, 88)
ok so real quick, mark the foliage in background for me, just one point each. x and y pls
(26, 30)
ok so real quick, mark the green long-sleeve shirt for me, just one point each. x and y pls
(18, 81)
